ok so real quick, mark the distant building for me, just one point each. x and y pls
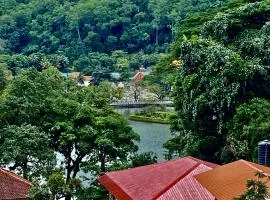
(139, 76)
(87, 80)
(74, 75)
(171, 180)
(121, 85)
(13, 187)
(82, 80)
(142, 69)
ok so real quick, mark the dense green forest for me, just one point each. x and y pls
(90, 35)
(222, 88)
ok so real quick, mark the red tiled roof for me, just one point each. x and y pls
(13, 186)
(138, 76)
(229, 181)
(158, 181)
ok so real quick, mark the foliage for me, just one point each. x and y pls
(5, 77)
(220, 73)
(95, 192)
(44, 112)
(108, 92)
(256, 189)
(206, 91)
(88, 32)
(194, 23)
(247, 128)
(154, 117)
(55, 188)
(147, 158)
(38, 192)
(28, 148)
(136, 88)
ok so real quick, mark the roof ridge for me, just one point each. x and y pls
(178, 179)
(208, 164)
(195, 159)
(117, 185)
(254, 167)
(154, 164)
(12, 175)
(250, 165)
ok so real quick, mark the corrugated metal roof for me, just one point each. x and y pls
(13, 186)
(229, 181)
(189, 188)
(152, 181)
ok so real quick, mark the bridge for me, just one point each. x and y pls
(138, 104)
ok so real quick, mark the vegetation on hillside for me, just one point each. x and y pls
(90, 35)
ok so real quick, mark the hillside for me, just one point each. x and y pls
(90, 35)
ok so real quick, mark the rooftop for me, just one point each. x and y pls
(87, 78)
(164, 181)
(13, 186)
(229, 181)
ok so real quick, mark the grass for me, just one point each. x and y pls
(156, 117)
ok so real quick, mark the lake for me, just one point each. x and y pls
(153, 135)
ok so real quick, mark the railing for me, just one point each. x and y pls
(132, 103)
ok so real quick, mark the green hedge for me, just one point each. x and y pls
(157, 117)
(148, 119)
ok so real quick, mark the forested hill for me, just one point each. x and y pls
(90, 35)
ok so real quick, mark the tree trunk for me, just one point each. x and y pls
(135, 96)
(157, 35)
(69, 167)
(76, 165)
(78, 31)
(172, 30)
(102, 161)
(25, 171)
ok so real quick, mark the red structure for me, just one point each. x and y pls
(139, 76)
(164, 181)
(13, 187)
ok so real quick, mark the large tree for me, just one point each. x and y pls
(223, 69)
(56, 114)
(26, 149)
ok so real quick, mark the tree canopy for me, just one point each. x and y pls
(222, 81)
(44, 115)
(83, 35)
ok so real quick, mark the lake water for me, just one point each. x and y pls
(153, 135)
